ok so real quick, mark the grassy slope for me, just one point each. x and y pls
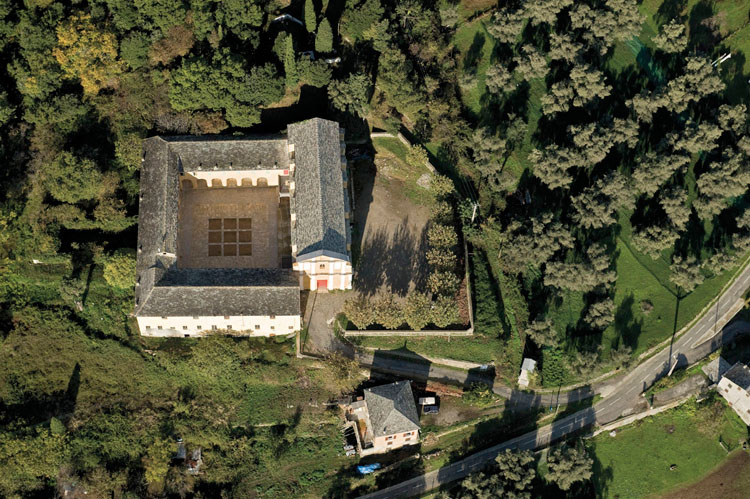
(637, 460)
(394, 152)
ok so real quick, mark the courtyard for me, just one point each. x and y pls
(233, 227)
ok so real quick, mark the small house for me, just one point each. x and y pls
(385, 418)
(528, 367)
(734, 386)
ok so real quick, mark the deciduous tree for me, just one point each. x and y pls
(568, 465)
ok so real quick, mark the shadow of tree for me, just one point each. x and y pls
(626, 326)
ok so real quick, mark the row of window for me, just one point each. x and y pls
(407, 434)
(228, 327)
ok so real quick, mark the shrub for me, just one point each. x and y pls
(416, 310)
(388, 312)
(359, 311)
(416, 157)
(119, 270)
(444, 312)
(443, 283)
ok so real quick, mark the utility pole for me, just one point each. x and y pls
(673, 365)
(474, 211)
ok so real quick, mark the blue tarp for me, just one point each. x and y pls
(369, 468)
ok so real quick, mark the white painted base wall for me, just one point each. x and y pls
(242, 325)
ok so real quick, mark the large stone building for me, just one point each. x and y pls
(232, 228)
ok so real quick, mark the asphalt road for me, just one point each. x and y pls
(620, 401)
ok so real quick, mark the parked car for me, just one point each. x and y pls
(430, 409)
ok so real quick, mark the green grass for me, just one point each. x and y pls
(473, 349)
(636, 462)
(397, 175)
(474, 34)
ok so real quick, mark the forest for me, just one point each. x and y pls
(599, 157)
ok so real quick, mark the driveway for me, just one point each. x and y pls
(320, 313)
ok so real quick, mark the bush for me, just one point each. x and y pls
(388, 312)
(359, 311)
(417, 310)
(416, 157)
(445, 312)
(119, 270)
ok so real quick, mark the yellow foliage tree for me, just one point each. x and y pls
(88, 53)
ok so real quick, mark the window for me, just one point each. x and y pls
(158, 327)
(214, 327)
(322, 265)
(199, 327)
(273, 317)
(273, 327)
(229, 326)
(187, 335)
(291, 327)
(389, 438)
(257, 326)
(163, 317)
(184, 327)
(407, 433)
(389, 443)
(407, 439)
(226, 317)
(148, 327)
(196, 317)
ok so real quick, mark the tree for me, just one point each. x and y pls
(696, 138)
(583, 363)
(156, 463)
(568, 465)
(448, 16)
(351, 94)
(71, 179)
(585, 85)
(416, 156)
(499, 80)
(552, 165)
(543, 333)
(619, 20)
(444, 312)
(388, 312)
(531, 64)
(223, 84)
(686, 273)
(359, 311)
(563, 47)
(324, 37)
(545, 11)
(416, 310)
(358, 18)
(87, 53)
(119, 270)
(394, 73)
(176, 43)
(600, 314)
(443, 283)
(242, 18)
(672, 37)
(654, 239)
(674, 201)
(621, 356)
(654, 170)
(506, 26)
(726, 178)
(511, 475)
(310, 17)
(314, 73)
(290, 61)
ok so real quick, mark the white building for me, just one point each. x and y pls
(734, 386)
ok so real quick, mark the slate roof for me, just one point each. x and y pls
(220, 152)
(218, 292)
(320, 201)
(739, 374)
(165, 290)
(392, 409)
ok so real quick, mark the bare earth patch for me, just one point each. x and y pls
(731, 480)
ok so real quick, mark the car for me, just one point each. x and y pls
(430, 409)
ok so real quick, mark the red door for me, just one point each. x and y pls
(322, 284)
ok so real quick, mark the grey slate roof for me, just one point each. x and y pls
(218, 292)
(392, 409)
(165, 290)
(739, 374)
(319, 199)
(259, 152)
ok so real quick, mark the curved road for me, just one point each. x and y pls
(693, 345)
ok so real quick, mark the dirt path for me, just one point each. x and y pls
(731, 480)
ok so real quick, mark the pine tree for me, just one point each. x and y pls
(324, 37)
(290, 62)
(310, 19)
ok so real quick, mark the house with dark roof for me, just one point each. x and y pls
(386, 418)
(232, 228)
(734, 386)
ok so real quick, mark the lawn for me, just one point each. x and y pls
(645, 299)
(475, 46)
(392, 167)
(636, 462)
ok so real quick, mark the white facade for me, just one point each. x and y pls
(737, 397)
(239, 325)
(321, 271)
